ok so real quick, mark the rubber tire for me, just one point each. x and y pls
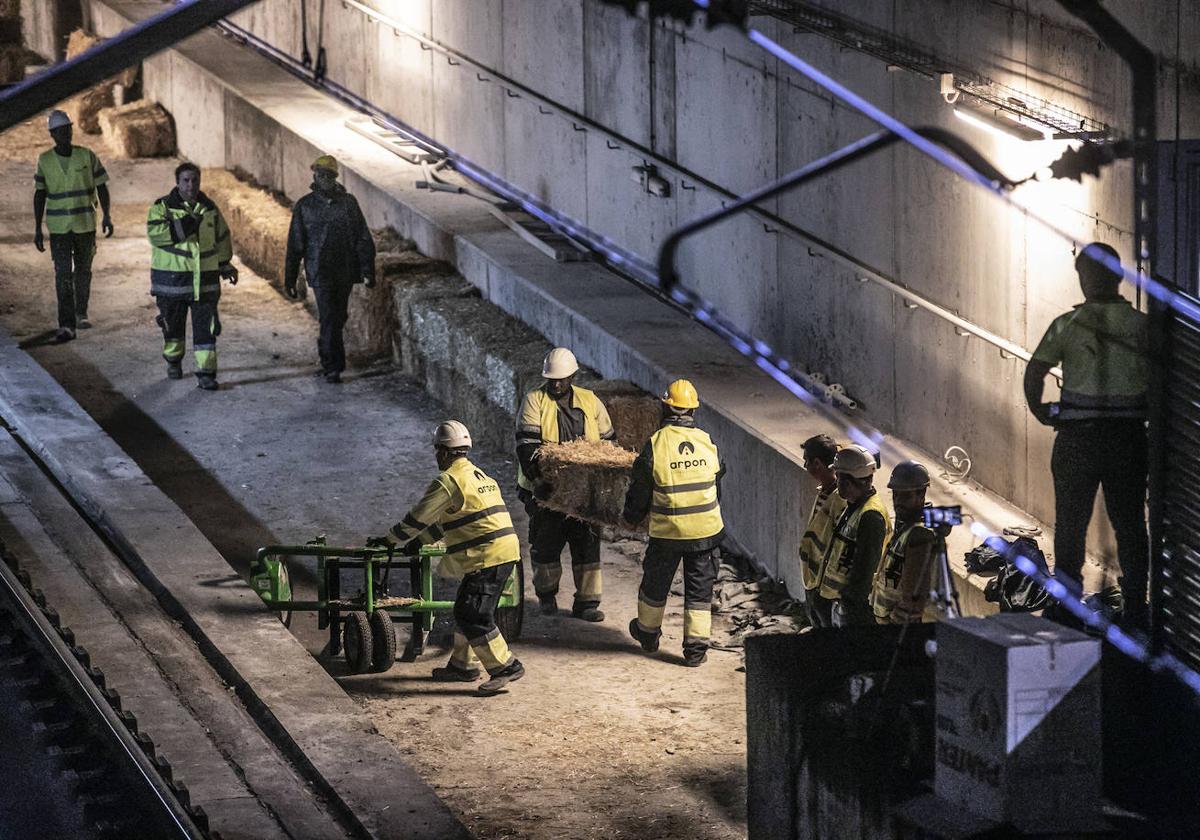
(510, 620)
(356, 642)
(383, 641)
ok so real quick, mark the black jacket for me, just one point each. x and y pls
(330, 234)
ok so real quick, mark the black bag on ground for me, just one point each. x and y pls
(1012, 589)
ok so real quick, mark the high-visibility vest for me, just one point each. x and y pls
(684, 505)
(538, 403)
(825, 514)
(480, 534)
(886, 595)
(839, 555)
(70, 186)
(187, 269)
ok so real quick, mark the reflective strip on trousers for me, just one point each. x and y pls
(173, 349)
(587, 582)
(206, 357)
(546, 576)
(697, 624)
(493, 651)
(462, 655)
(650, 613)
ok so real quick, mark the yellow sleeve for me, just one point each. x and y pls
(442, 498)
(99, 173)
(158, 225)
(224, 242)
(603, 422)
(529, 422)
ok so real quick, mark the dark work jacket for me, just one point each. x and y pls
(330, 235)
(640, 494)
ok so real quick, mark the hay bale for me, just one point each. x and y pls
(258, 221)
(635, 414)
(79, 42)
(139, 129)
(13, 58)
(588, 480)
(84, 108)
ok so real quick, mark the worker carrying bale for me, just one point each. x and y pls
(191, 252)
(901, 584)
(676, 480)
(330, 235)
(861, 532)
(819, 452)
(69, 181)
(463, 507)
(558, 412)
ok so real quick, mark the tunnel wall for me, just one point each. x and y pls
(715, 104)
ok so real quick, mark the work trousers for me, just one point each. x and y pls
(551, 531)
(206, 326)
(333, 309)
(1109, 454)
(72, 254)
(819, 610)
(477, 639)
(699, 576)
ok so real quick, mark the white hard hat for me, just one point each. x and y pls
(58, 119)
(559, 364)
(854, 460)
(451, 434)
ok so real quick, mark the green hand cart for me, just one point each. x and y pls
(362, 625)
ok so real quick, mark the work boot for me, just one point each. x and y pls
(175, 370)
(454, 673)
(83, 323)
(496, 684)
(648, 641)
(695, 657)
(549, 604)
(206, 383)
(588, 613)
(333, 377)
(64, 334)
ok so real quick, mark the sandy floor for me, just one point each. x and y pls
(598, 740)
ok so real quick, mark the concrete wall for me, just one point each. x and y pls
(47, 23)
(715, 104)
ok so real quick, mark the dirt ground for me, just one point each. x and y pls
(597, 741)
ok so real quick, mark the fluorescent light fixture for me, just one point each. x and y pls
(1001, 126)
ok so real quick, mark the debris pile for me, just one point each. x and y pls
(587, 480)
(747, 606)
(138, 129)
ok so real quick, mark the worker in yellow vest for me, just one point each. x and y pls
(1103, 347)
(69, 181)
(190, 253)
(819, 452)
(676, 480)
(558, 412)
(859, 536)
(900, 588)
(463, 507)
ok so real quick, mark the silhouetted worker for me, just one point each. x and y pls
(330, 235)
(558, 412)
(191, 250)
(69, 181)
(819, 452)
(1102, 345)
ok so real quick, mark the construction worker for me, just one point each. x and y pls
(69, 181)
(819, 452)
(463, 507)
(900, 587)
(676, 480)
(558, 412)
(1102, 345)
(858, 539)
(191, 250)
(330, 235)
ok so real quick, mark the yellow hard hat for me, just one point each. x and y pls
(326, 162)
(681, 394)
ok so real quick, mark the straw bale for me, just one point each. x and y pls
(635, 414)
(258, 221)
(13, 58)
(10, 29)
(139, 129)
(588, 480)
(79, 42)
(10, 8)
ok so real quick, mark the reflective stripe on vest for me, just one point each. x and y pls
(179, 269)
(835, 568)
(885, 586)
(684, 505)
(547, 409)
(481, 533)
(70, 190)
(816, 537)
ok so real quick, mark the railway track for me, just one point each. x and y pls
(78, 764)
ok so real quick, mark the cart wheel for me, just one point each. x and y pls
(510, 620)
(383, 641)
(356, 642)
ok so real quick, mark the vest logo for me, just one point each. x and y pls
(686, 448)
(688, 464)
(479, 475)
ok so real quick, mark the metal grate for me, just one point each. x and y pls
(897, 52)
